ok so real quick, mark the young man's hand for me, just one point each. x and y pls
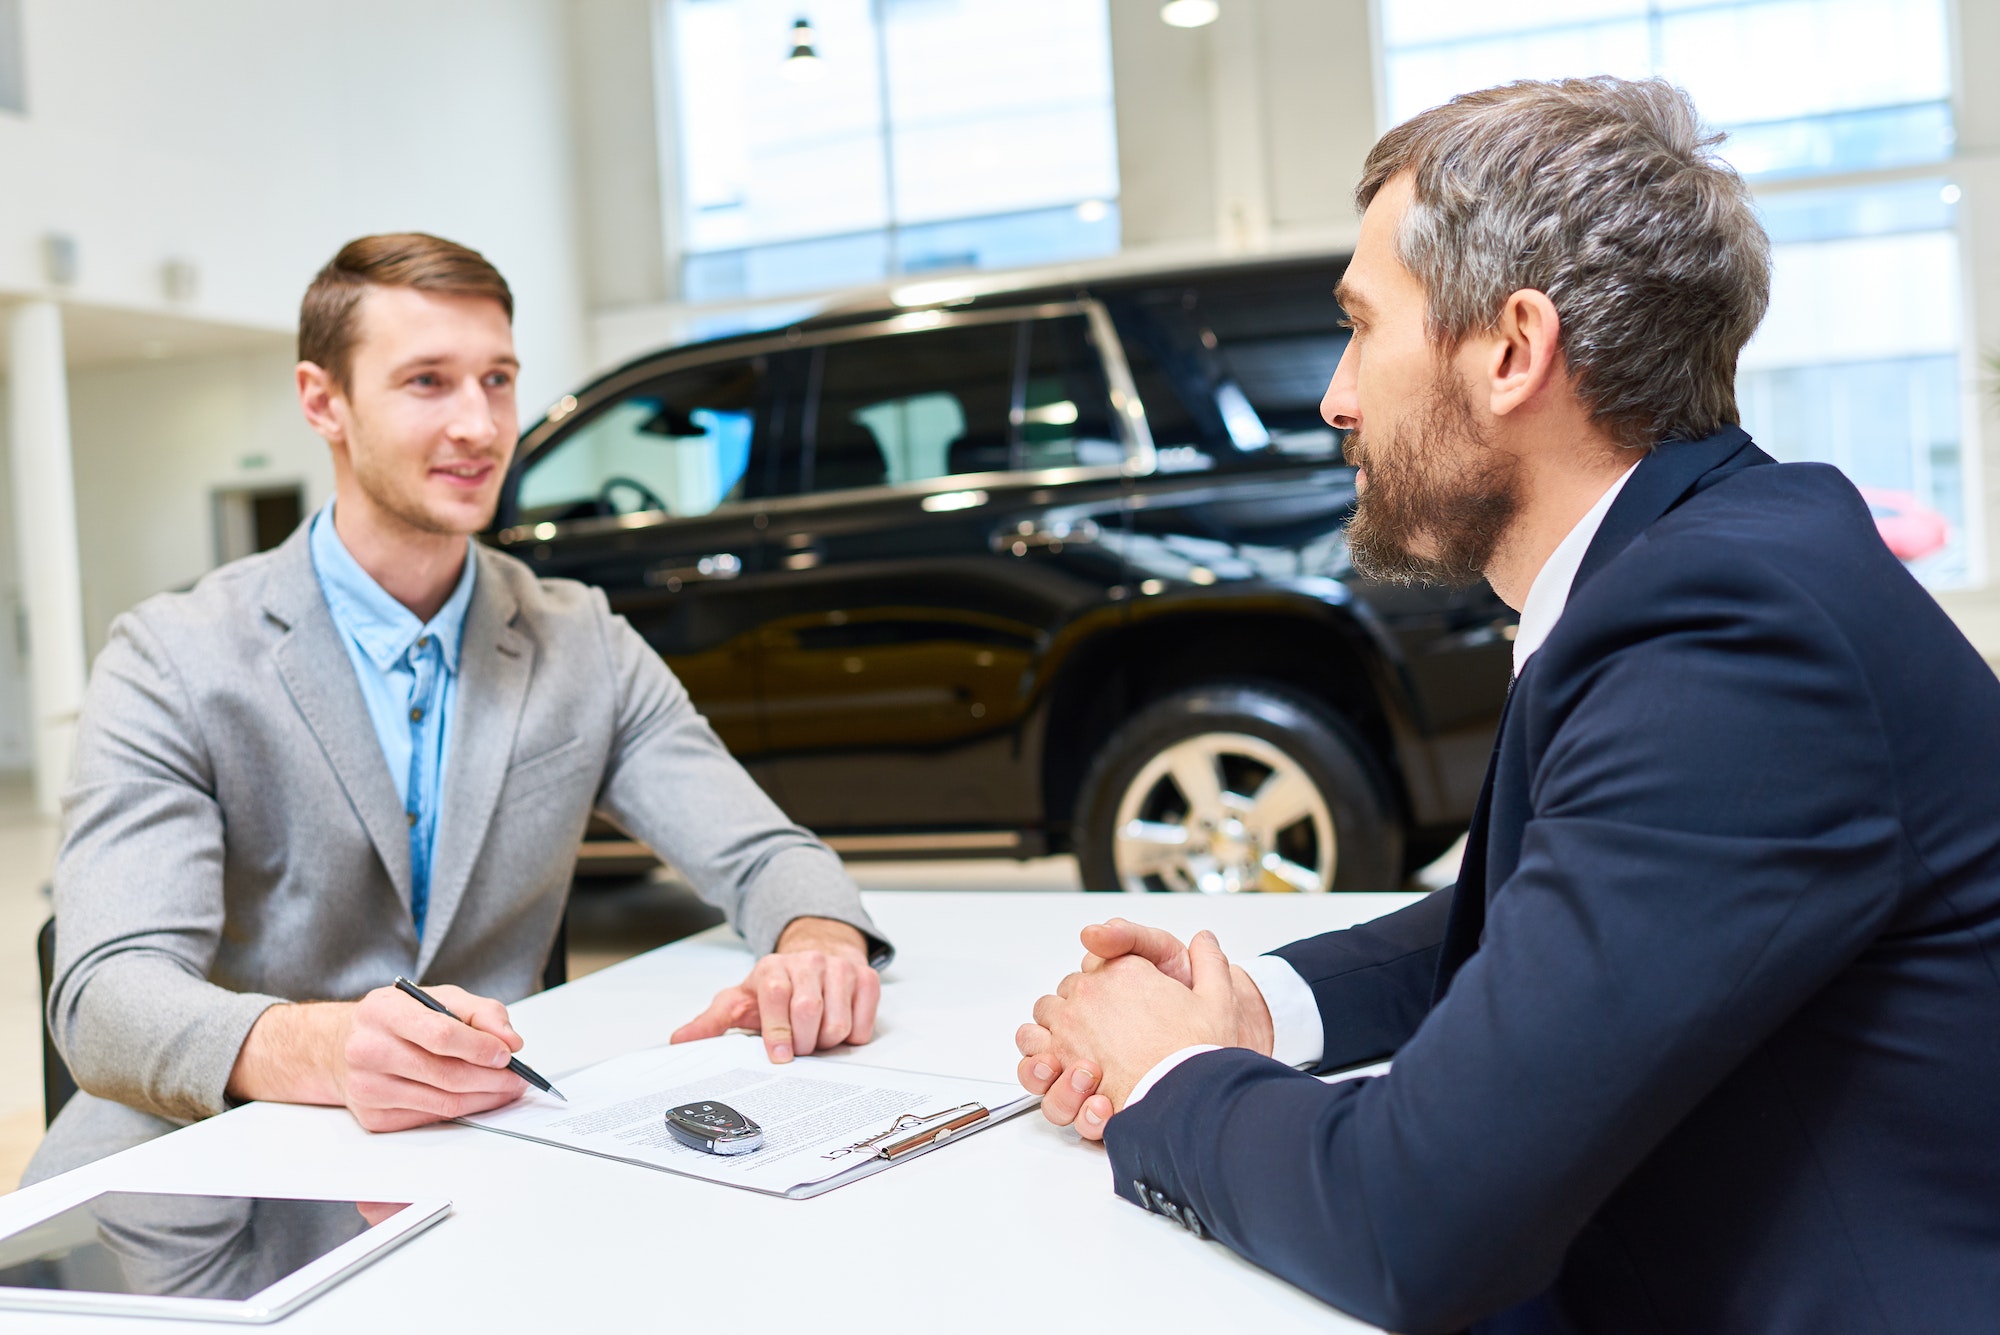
(814, 991)
(388, 1059)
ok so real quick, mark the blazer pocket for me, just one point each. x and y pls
(530, 776)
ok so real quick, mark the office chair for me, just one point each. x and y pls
(57, 1085)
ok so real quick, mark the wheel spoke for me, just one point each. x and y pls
(1196, 773)
(1284, 799)
(1282, 873)
(1150, 847)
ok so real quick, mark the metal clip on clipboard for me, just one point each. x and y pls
(915, 1131)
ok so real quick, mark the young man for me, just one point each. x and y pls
(1706, 1037)
(372, 752)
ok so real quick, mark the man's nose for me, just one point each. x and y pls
(1341, 406)
(472, 419)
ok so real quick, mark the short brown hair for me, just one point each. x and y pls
(392, 259)
(1605, 195)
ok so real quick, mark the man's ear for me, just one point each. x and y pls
(321, 401)
(1525, 354)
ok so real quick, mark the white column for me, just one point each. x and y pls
(1242, 142)
(45, 528)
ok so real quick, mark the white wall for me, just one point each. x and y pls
(251, 138)
(169, 433)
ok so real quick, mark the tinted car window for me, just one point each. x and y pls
(1065, 414)
(905, 407)
(1278, 339)
(984, 398)
(681, 444)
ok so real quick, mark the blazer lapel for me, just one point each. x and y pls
(1468, 897)
(318, 674)
(495, 661)
(1663, 477)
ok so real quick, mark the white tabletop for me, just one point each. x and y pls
(1016, 1227)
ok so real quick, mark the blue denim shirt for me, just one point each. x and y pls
(408, 672)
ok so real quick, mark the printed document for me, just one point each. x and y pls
(814, 1112)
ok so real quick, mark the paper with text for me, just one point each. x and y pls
(809, 1109)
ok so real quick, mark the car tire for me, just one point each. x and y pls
(1315, 816)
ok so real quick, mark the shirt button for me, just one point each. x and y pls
(412, 815)
(416, 716)
(423, 641)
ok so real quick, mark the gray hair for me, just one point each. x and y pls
(1604, 195)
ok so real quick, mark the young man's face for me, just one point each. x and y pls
(428, 419)
(1435, 496)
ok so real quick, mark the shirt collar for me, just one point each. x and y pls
(383, 627)
(1549, 594)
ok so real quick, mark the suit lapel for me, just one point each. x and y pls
(313, 663)
(1468, 896)
(495, 661)
(1663, 477)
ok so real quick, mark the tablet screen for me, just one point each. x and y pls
(159, 1245)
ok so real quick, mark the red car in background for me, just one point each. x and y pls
(1911, 529)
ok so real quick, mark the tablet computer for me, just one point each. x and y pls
(209, 1258)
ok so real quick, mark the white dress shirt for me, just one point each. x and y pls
(1298, 1037)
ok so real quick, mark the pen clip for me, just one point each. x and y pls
(914, 1131)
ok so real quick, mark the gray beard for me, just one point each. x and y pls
(1439, 482)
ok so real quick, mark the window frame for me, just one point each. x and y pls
(1126, 409)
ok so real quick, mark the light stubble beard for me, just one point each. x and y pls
(1439, 484)
(381, 489)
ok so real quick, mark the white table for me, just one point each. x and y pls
(1015, 1228)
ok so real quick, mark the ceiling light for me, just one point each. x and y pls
(1092, 211)
(803, 62)
(1190, 13)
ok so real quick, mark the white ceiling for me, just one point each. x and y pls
(98, 336)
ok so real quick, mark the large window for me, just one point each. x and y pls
(1858, 363)
(923, 135)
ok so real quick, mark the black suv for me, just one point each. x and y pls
(986, 569)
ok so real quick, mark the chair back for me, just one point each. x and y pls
(57, 1086)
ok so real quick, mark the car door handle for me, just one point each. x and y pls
(673, 573)
(1028, 536)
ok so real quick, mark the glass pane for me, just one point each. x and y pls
(999, 105)
(680, 446)
(1430, 75)
(912, 406)
(1781, 59)
(999, 129)
(1066, 414)
(1012, 240)
(1849, 141)
(1278, 343)
(1857, 362)
(767, 155)
(1407, 22)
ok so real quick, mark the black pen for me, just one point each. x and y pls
(514, 1064)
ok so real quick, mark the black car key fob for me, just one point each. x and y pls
(714, 1128)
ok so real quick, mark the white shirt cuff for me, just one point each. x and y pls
(1297, 1036)
(1165, 1064)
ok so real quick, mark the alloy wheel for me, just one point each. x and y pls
(1223, 813)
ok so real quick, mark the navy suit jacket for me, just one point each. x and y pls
(1707, 1037)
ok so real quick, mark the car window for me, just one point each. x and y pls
(1277, 340)
(905, 407)
(1065, 417)
(977, 399)
(679, 445)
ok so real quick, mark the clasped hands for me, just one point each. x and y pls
(1139, 997)
(395, 1064)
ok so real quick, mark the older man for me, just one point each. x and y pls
(1707, 1037)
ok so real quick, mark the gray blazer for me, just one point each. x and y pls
(232, 837)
